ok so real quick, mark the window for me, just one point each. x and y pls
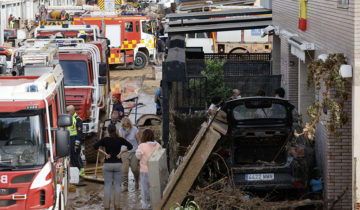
(22, 139)
(137, 26)
(256, 110)
(129, 27)
(191, 35)
(343, 4)
(146, 27)
(75, 72)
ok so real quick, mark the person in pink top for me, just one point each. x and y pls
(145, 149)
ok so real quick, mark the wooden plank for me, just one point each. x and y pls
(189, 169)
(220, 127)
(94, 179)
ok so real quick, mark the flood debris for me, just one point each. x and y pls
(223, 195)
(185, 175)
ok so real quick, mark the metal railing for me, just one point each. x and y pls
(190, 94)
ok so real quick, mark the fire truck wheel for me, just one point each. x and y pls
(140, 60)
(90, 152)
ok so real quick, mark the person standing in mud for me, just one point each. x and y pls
(131, 134)
(158, 98)
(145, 149)
(117, 106)
(113, 120)
(76, 136)
(112, 168)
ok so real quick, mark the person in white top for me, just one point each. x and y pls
(131, 134)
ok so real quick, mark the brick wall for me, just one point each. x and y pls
(333, 156)
(339, 163)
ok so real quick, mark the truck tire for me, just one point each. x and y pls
(90, 152)
(140, 61)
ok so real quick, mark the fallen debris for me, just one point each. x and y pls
(194, 160)
(222, 195)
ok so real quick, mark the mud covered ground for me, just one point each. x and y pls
(91, 196)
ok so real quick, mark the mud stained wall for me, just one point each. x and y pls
(172, 130)
(187, 126)
(183, 127)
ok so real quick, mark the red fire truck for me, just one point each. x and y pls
(86, 82)
(34, 140)
(132, 42)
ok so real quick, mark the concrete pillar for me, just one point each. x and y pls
(158, 176)
(1, 35)
(356, 132)
(276, 55)
(306, 95)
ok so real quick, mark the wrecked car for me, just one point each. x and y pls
(264, 152)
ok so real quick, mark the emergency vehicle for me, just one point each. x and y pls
(86, 83)
(132, 42)
(239, 41)
(68, 31)
(34, 140)
(58, 15)
(5, 56)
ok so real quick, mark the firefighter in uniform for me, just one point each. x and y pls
(76, 135)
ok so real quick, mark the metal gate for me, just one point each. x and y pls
(190, 94)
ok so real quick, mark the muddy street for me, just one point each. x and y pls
(90, 196)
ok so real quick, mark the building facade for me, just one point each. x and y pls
(26, 9)
(332, 26)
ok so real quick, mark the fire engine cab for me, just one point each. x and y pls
(86, 81)
(132, 42)
(34, 140)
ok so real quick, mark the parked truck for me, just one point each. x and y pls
(239, 41)
(86, 81)
(34, 140)
(132, 42)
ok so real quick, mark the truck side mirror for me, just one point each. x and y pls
(102, 80)
(64, 120)
(102, 69)
(62, 143)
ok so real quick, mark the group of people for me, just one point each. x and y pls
(123, 148)
(217, 101)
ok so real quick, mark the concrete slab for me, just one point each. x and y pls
(158, 176)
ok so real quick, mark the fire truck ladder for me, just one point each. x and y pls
(62, 28)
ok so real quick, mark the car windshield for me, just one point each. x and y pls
(75, 73)
(21, 141)
(258, 110)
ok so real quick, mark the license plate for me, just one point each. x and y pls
(259, 177)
